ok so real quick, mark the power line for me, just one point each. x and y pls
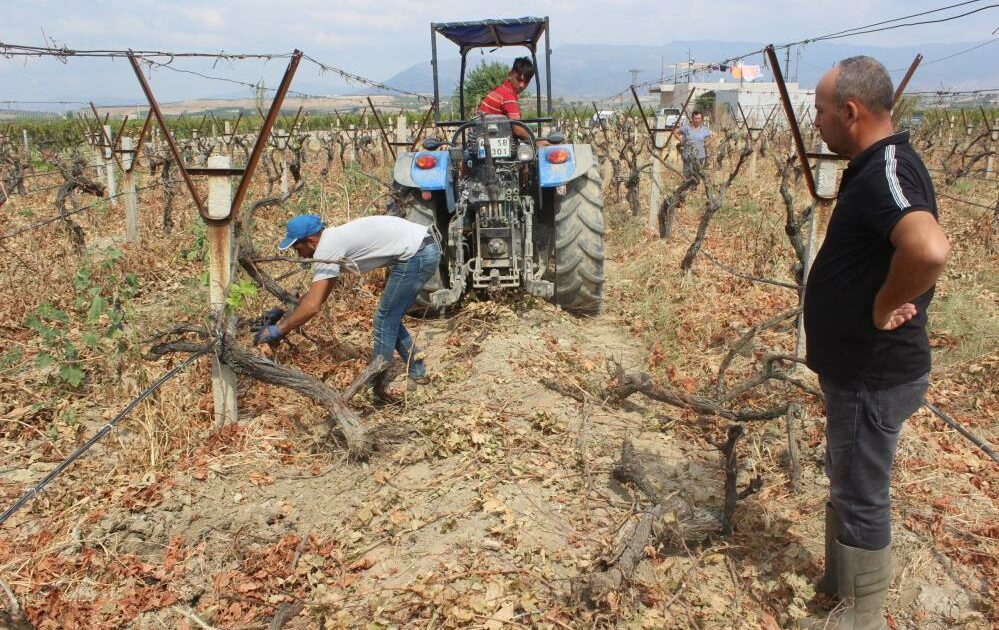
(968, 50)
(16, 50)
(20, 50)
(859, 30)
(350, 76)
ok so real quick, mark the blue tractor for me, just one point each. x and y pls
(511, 214)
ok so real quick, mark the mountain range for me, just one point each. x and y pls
(587, 71)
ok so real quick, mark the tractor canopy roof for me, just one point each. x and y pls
(525, 31)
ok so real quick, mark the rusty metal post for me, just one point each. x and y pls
(900, 90)
(381, 128)
(799, 144)
(131, 197)
(220, 250)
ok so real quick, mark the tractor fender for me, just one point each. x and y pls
(579, 162)
(408, 174)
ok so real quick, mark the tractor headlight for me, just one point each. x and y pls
(525, 152)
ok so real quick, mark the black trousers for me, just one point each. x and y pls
(862, 430)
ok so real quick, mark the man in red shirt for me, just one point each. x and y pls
(502, 100)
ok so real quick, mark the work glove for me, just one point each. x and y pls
(268, 334)
(272, 316)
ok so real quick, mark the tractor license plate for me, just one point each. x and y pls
(499, 147)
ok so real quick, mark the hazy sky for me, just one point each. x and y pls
(378, 39)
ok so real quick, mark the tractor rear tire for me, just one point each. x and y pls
(579, 245)
(416, 210)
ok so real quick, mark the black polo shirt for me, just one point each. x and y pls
(880, 185)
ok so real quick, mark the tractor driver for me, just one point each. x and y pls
(502, 100)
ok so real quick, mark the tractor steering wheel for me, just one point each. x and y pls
(471, 123)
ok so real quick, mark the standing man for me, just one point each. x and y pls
(502, 100)
(365, 244)
(694, 137)
(865, 319)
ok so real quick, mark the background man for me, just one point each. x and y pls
(865, 319)
(694, 137)
(367, 243)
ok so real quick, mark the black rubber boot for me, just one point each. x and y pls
(379, 388)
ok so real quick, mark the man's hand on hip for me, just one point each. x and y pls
(895, 318)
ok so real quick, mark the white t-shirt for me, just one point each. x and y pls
(370, 242)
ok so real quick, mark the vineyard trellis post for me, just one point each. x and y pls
(27, 146)
(131, 197)
(97, 155)
(660, 140)
(109, 166)
(220, 256)
(401, 129)
(991, 160)
(281, 140)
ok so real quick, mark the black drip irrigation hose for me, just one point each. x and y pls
(960, 429)
(58, 470)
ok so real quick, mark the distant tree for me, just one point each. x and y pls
(480, 82)
(705, 103)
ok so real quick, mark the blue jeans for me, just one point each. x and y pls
(862, 430)
(404, 284)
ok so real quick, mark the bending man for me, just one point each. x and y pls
(368, 243)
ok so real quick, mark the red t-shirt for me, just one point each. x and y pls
(503, 101)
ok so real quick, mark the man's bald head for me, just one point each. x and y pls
(864, 80)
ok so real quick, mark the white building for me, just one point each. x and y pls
(757, 100)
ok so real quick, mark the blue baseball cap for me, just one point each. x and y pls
(302, 226)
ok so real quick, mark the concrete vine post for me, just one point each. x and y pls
(661, 139)
(220, 250)
(991, 160)
(109, 168)
(228, 138)
(131, 197)
(282, 146)
(825, 185)
(352, 136)
(98, 154)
